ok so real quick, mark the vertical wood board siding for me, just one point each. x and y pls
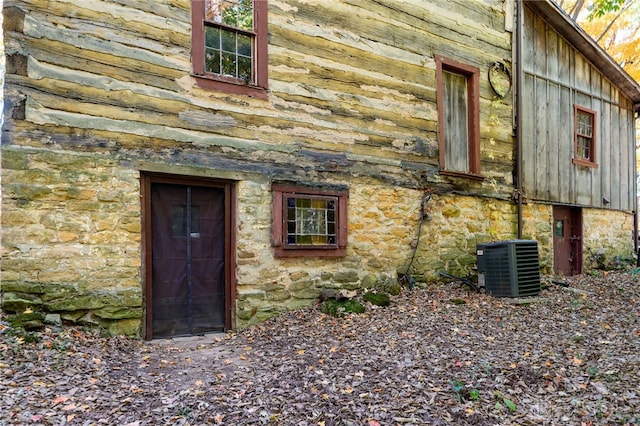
(557, 77)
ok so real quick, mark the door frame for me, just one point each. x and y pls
(229, 187)
(577, 231)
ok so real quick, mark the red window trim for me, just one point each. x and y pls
(227, 84)
(473, 93)
(278, 237)
(592, 148)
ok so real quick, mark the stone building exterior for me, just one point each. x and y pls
(173, 167)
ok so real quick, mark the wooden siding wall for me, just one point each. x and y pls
(352, 88)
(556, 78)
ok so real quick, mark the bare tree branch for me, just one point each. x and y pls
(576, 9)
(626, 6)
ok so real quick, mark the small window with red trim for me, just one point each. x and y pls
(229, 45)
(309, 221)
(458, 97)
(585, 137)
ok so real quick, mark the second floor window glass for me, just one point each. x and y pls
(229, 46)
(585, 137)
(229, 38)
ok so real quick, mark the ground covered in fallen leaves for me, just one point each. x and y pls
(437, 355)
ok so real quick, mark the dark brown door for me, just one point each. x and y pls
(188, 259)
(567, 240)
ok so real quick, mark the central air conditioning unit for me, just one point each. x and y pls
(509, 268)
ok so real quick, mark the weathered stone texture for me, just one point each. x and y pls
(383, 231)
(608, 238)
(607, 232)
(66, 247)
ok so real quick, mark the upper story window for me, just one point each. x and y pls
(309, 221)
(229, 45)
(584, 137)
(458, 97)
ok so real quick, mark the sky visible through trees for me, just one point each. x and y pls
(614, 25)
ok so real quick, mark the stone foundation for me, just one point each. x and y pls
(71, 238)
(607, 236)
(71, 242)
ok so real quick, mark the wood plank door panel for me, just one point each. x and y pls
(567, 240)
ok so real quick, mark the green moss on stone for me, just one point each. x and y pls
(378, 299)
(27, 321)
(13, 160)
(19, 302)
(338, 309)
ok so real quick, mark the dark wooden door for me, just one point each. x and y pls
(188, 259)
(567, 240)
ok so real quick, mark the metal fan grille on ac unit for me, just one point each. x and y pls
(511, 268)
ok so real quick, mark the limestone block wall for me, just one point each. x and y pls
(384, 223)
(71, 237)
(608, 238)
(71, 242)
(537, 224)
(607, 235)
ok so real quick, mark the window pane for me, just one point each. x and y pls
(234, 13)
(229, 14)
(311, 221)
(228, 64)
(244, 68)
(244, 45)
(212, 61)
(244, 12)
(584, 124)
(212, 37)
(228, 41)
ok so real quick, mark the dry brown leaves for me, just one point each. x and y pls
(573, 358)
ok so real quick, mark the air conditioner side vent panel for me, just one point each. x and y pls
(511, 268)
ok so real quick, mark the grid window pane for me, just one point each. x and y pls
(212, 37)
(584, 147)
(244, 45)
(584, 124)
(244, 68)
(228, 41)
(226, 25)
(311, 221)
(212, 61)
(584, 135)
(228, 66)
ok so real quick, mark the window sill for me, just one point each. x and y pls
(584, 163)
(462, 175)
(280, 252)
(230, 85)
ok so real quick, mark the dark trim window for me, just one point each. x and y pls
(309, 221)
(458, 97)
(584, 137)
(229, 45)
